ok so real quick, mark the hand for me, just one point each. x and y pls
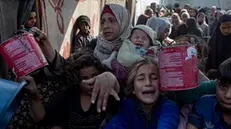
(104, 85)
(40, 36)
(30, 89)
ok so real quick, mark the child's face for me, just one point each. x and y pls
(84, 27)
(140, 38)
(87, 73)
(223, 93)
(146, 84)
(31, 21)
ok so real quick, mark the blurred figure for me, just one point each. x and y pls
(218, 14)
(202, 24)
(83, 37)
(149, 12)
(143, 18)
(187, 7)
(176, 22)
(212, 14)
(162, 27)
(31, 22)
(192, 28)
(185, 16)
(154, 9)
(177, 8)
(193, 12)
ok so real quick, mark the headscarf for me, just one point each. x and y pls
(192, 27)
(159, 25)
(219, 45)
(179, 20)
(104, 48)
(201, 13)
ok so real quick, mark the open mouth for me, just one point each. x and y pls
(150, 92)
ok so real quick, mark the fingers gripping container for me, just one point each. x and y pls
(22, 54)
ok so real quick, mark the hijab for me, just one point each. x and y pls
(159, 25)
(176, 25)
(103, 47)
(192, 27)
(219, 45)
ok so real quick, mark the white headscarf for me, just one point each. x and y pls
(159, 25)
(104, 48)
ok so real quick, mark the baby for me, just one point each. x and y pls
(141, 43)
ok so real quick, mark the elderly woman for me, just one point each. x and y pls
(162, 27)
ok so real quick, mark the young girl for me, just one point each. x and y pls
(145, 108)
(72, 108)
(140, 44)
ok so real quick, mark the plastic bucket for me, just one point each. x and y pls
(9, 100)
(178, 67)
(23, 54)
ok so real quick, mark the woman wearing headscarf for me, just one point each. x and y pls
(218, 14)
(202, 24)
(219, 44)
(176, 22)
(116, 27)
(185, 16)
(192, 28)
(162, 27)
(193, 12)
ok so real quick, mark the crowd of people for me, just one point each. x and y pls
(113, 81)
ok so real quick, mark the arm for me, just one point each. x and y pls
(191, 96)
(169, 116)
(35, 106)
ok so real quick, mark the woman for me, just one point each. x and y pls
(193, 12)
(145, 108)
(219, 45)
(192, 28)
(218, 14)
(185, 16)
(116, 27)
(162, 27)
(176, 22)
(202, 24)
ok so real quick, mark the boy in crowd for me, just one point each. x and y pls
(214, 112)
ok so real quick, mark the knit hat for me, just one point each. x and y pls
(82, 19)
(151, 34)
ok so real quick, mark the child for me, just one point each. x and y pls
(213, 111)
(31, 21)
(72, 108)
(145, 108)
(141, 43)
(83, 37)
